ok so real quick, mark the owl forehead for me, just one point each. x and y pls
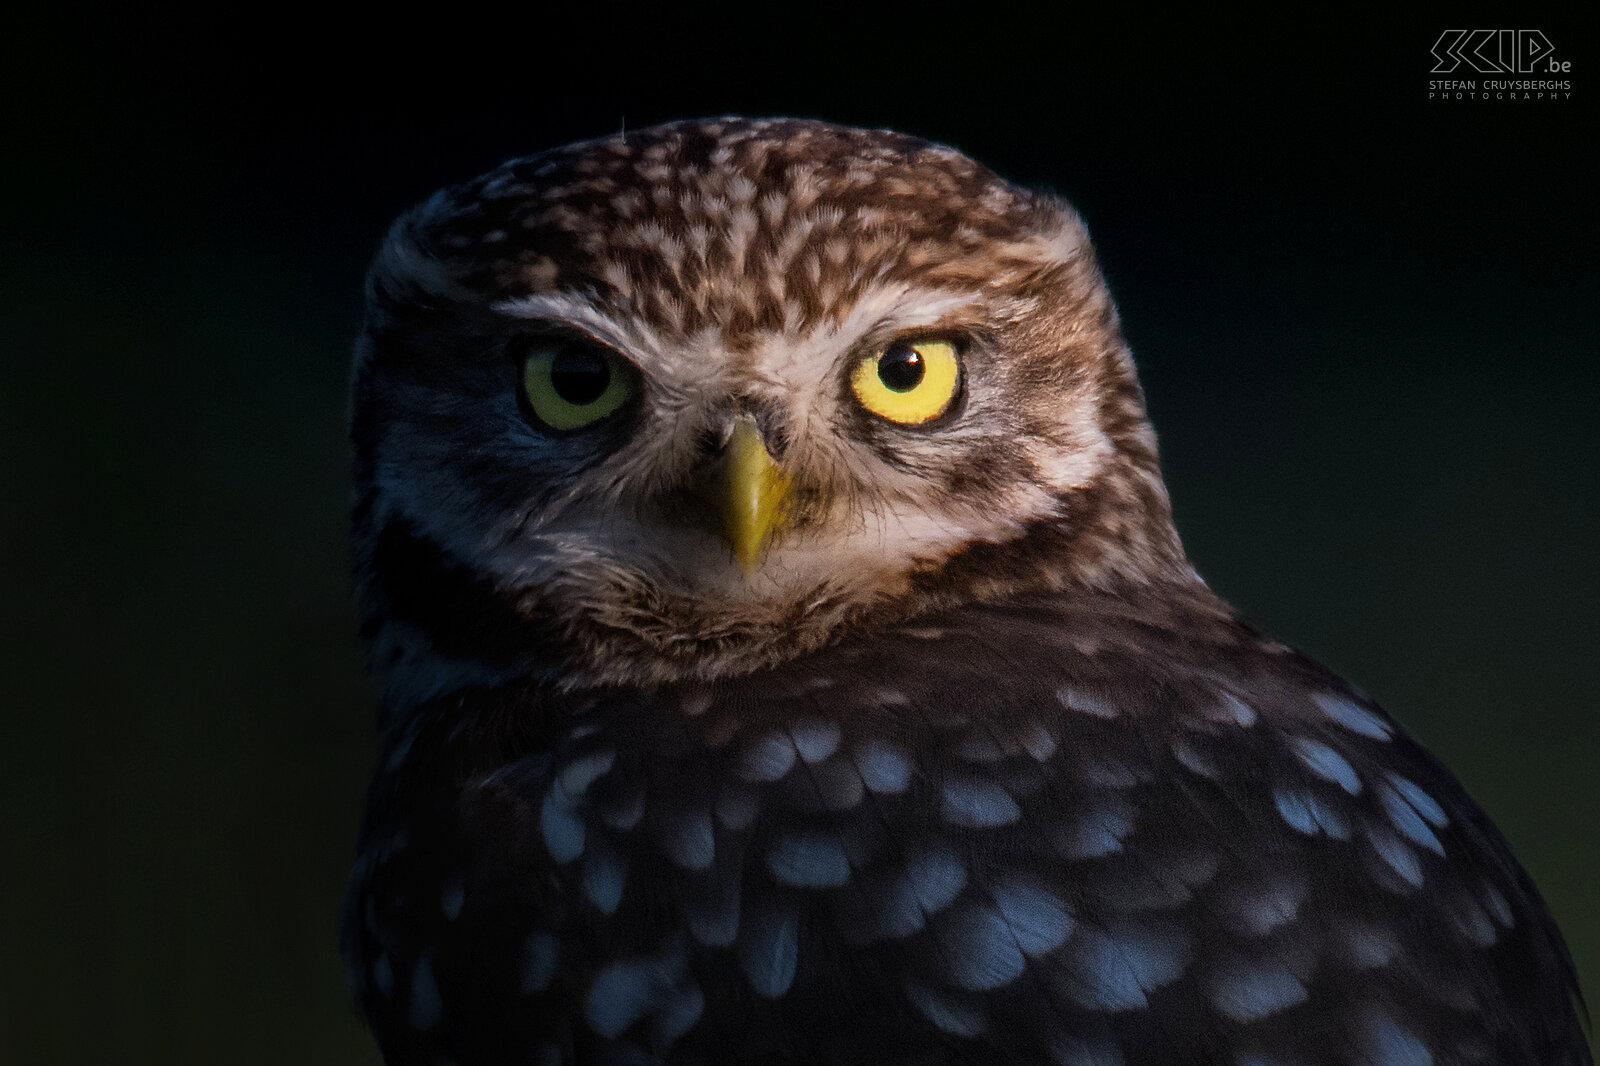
(745, 227)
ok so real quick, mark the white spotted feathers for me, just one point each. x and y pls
(1031, 871)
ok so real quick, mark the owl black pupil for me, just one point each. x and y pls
(901, 368)
(579, 377)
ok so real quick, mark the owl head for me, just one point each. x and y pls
(693, 400)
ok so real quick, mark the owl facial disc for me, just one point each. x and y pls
(683, 403)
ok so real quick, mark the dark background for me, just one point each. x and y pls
(1366, 323)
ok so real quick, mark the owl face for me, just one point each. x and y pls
(691, 400)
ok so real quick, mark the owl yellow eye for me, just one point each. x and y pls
(571, 386)
(909, 382)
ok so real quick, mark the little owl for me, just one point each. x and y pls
(787, 656)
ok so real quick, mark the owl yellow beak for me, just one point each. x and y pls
(752, 493)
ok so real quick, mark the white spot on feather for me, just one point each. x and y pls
(978, 804)
(1236, 709)
(1115, 967)
(580, 773)
(563, 832)
(767, 757)
(452, 898)
(688, 838)
(540, 953)
(1366, 946)
(956, 1013)
(1247, 990)
(1327, 764)
(884, 767)
(1356, 719)
(383, 976)
(1388, 1043)
(1399, 858)
(1404, 817)
(425, 1010)
(737, 807)
(769, 949)
(1075, 699)
(605, 874)
(1038, 919)
(979, 951)
(815, 739)
(808, 860)
(624, 992)
(1424, 804)
(677, 1015)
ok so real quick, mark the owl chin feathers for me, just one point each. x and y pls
(578, 619)
(618, 628)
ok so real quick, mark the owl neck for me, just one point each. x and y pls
(433, 626)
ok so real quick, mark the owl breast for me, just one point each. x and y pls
(1120, 846)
